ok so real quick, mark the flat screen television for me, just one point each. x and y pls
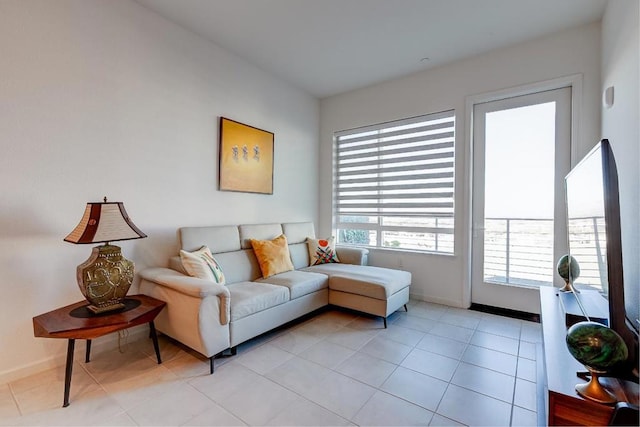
(595, 240)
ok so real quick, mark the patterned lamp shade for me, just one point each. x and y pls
(104, 222)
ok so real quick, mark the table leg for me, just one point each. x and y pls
(67, 374)
(87, 357)
(154, 337)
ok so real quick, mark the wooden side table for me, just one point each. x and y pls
(76, 321)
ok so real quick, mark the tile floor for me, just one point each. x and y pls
(434, 365)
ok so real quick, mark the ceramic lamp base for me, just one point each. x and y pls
(593, 390)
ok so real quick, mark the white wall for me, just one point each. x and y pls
(621, 125)
(440, 278)
(106, 98)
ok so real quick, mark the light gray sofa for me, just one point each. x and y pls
(211, 318)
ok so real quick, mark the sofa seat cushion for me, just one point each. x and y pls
(300, 283)
(374, 282)
(248, 298)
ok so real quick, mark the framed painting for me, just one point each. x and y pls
(246, 158)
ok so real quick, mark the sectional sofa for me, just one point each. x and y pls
(210, 317)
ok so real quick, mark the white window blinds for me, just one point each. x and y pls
(397, 177)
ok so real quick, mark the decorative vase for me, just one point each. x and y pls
(599, 349)
(569, 269)
(105, 278)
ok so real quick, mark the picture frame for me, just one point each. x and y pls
(245, 158)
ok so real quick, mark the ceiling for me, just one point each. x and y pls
(326, 47)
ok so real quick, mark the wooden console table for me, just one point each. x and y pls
(76, 321)
(566, 406)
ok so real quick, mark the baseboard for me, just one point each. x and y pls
(436, 300)
(522, 315)
(106, 343)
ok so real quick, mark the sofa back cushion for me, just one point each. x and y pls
(217, 239)
(224, 242)
(231, 246)
(239, 266)
(258, 232)
(297, 233)
(299, 255)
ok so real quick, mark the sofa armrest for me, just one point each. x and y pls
(352, 255)
(181, 283)
(191, 286)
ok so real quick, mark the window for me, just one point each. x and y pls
(394, 184)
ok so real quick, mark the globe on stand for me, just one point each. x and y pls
(599, 349)
(569, 270)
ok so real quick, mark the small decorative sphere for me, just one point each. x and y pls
(596, 346)
(568, 268)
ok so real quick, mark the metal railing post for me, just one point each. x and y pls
(507, 255)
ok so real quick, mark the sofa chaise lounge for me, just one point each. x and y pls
(211, 318)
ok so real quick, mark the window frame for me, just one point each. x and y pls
(432, 198)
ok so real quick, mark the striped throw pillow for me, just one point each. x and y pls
(202, 264)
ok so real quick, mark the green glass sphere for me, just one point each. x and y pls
(564, 266)
(596, 346)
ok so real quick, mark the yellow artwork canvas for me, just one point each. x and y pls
(246, 158)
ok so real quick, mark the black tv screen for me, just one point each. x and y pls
(594, 234)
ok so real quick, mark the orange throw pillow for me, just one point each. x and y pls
(273, 255)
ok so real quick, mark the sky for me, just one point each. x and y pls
(519, 162)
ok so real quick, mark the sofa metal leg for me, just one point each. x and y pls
(211, 364)
(223, 355)
(405, 308)
(385, 322)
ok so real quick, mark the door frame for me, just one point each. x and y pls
(575, 82)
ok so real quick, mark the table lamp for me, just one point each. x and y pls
(106, 276)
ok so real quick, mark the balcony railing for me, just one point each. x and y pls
(518, 251)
